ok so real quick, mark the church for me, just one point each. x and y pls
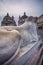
(22, 19)
(8, 21)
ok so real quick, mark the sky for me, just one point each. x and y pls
(18, 7)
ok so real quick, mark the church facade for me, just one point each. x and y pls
(38, 20)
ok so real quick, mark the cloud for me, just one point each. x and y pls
(17, 7)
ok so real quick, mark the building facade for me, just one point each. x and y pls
(40, 21)
(24, 18)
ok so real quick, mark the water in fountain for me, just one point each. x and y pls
(33, 31)
(26, 32)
